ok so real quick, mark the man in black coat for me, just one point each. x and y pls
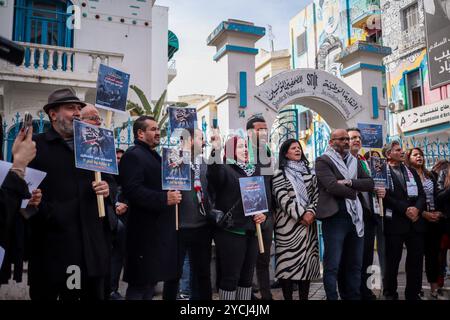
(69, 247)
(404, 202)
(259, 147)
(151, 250)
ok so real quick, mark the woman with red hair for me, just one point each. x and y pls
(236, 243)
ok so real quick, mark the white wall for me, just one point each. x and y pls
(7, 19)
(134, 41)
(159, 51)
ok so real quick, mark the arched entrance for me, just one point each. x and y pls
(318, 90)
(338, 105)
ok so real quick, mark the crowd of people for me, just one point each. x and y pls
(63, 230)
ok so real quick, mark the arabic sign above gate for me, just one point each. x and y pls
(425, 116)
(285, 87)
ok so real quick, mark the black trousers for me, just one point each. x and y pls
(92, 288)
(117, 256)
(197, 242)
(237, 256)
(369, 245)
(287, 287)
(414, 263)
(263, 262)
(433, 238)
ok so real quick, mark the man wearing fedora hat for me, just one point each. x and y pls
(69, 251)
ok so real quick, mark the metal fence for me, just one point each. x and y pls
(123, 134)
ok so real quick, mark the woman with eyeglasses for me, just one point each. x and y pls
(294, 187)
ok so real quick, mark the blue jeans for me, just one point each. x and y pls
(185, 281)
(341, 240)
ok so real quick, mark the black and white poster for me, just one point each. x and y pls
(437, 22)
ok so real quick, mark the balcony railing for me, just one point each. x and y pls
(412, 38)
(66, 60)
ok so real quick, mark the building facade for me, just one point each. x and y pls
(407, 81)
(66, 41)
(320, 35)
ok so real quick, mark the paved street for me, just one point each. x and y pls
(20, 291)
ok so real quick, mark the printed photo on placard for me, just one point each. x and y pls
(112, 89)
(253, 193)
(176, 173)
(378, 170)
(94, 148)
(371, 135)
(182, 118)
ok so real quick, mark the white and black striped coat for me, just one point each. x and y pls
(296, 246)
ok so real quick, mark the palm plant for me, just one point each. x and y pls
(148, 108)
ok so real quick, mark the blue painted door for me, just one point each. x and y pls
(42, 22)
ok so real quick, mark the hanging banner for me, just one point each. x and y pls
(425, 116)
(437, 23)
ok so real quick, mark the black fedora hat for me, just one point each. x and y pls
(62, 96)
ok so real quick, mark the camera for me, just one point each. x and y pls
(11, 51)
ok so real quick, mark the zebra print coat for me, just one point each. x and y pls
(296, 246)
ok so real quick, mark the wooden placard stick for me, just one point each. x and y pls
(98, 175)
(176, 217)
(260, 238)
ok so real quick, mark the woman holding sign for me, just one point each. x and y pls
(236, 242)
(294, 187)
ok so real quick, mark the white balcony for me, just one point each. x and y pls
(58, 65)
(171, 70)
(412, 39)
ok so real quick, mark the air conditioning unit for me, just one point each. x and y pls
(397, 106)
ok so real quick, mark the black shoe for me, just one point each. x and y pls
(255, 298)
(115, 296)
(368, 295)
(391, 296)
(276, 285)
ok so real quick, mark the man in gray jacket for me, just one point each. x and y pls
(195, 234)
(341, 179)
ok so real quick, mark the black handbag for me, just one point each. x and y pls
(221, 219)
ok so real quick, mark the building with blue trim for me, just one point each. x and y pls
(66, 41)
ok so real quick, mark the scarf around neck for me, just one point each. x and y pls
(247, 167)
(348, 167)
(294, 172)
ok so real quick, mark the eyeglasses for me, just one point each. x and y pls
(342, 139)
(93, 118)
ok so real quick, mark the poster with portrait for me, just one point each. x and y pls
(176, 169)
(378, 169)
(94, 148)
(182, 119)
(253, 193)
(112, 89)
(437, 25)
(371, 135)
